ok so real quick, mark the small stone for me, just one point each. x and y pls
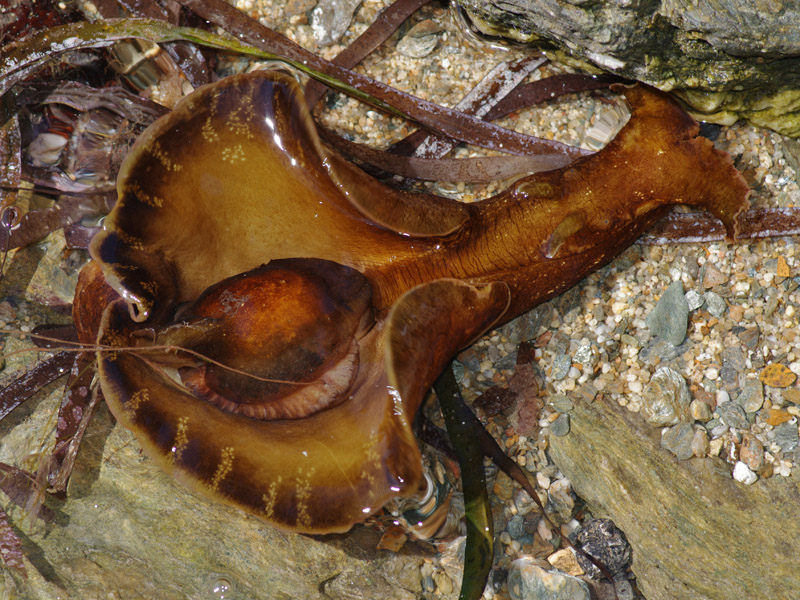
(564, 560)
(749, 337)
(444, 585)
(791, 395)
(776, 416)
(715, 305)
(561, 366)
(732, 415)
(736, 312)
(694, 300)
(712, 276)
(743, 474)
(700, 443)
(528, 581)
(666, 400)
(678, 440)
(607, 544)
(561, 403)
(785, 435)
(777, 375)
(658, 350)
(331, 18)
(586, 356)
(700, 411)
(782, 268)
(752, 397)
(420, 40)
(751, 452)
(560, 494)
(560, 427)
(670, 317)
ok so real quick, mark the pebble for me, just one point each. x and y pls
(743, 474)
(733, 415)
(560, 495)
(700, 443)
(669, 318)
(678, 439)
(715, 305)
(751, 399)
(751, 452)
(561, 366)
(785, 435)
(712, 276)
(700, 411)
(331, 18)
(749, 337)
(561, 403)
(694, 299)
(665, 400)
(777, 375)
(564, 560)
(560, 427)
(606, 543)
(529, 581)
(658, 350)
(420, 40)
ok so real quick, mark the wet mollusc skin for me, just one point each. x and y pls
(288, 312)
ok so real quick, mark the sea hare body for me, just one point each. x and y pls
(290, 312)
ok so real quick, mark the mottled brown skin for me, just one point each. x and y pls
(236, 177)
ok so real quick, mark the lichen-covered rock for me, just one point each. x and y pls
(718, 55)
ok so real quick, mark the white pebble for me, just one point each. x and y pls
(712, 373)
(722, 397)
(743, 474)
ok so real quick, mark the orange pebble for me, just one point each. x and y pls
(777, 375)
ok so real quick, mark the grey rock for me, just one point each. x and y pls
(715, 305)
(528, 581)
(700, 411)
(331, 18)
(560, 427)
(586, 355)
(561, 403)
(785, 435)
(732, 415)
(718, 55)
(561, 366)
(669, 318)
(678, 440)
(560, 495)
(659, 351)
(420, 40)
(665, 400)
(694, 299)
(752, 397)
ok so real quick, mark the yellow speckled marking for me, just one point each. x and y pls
(233, 154)
(237, 126)
(303, 487)
(181, 439)
(223, 468)
(158, 152)
(138, 398)
(270, 497)
(130, 240)
(371, 459)
(209, 133)
(144, 198)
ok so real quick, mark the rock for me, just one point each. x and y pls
(700, 444)
(561, 366)
(659, 351)
(560, 495)
(669, 318)
(678, 440)
(683, 519)
(665, 400)
(732, 415)
(785, 435)
(561, 403)
(700, 411)
(751, 452)
(528, 581)
(715, 305)
(743, 474)
(128, 530)
(560, 427)
(606, 543)
(718, 55)
(565, 561)
(694, 300)
(712, 277)
(420, 40)
(752, 397)
(331, 18)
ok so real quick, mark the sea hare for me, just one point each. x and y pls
(288, 312)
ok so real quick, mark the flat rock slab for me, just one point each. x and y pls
(727, 59)
(695, 532)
